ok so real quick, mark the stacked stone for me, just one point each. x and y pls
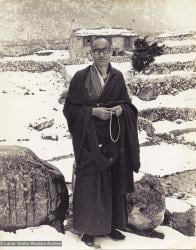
(165, 84)
(179, 49)
(27, 65)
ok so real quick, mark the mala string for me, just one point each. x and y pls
(114, 140)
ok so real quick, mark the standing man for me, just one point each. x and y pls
(103, 124)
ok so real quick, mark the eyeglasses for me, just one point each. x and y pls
(104, 50)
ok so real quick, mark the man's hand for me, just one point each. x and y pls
(101, 112)
(117, 110)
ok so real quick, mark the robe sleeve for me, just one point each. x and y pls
(77, 113)
(131, 140)
(125, 93)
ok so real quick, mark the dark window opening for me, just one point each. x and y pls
(115, 52)
(127, 42)
(86, 41)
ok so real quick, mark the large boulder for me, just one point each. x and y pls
(146, 205)
(32, 192)
(180, 216)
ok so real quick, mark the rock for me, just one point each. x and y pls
(23, 139)
(42, 125)
(62, 97)
(50, 137)
(180, 182)
(44, 53)
(145, 124)
(32, 192)
(180, 216)
(146, 205)
(62, 69)
(148, 93)
(179, 121)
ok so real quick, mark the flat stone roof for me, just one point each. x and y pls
(105, 32)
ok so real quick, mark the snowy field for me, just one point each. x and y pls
(172, 240)
(27, 97)
(54, 56)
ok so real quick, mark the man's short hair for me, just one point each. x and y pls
(100, 37)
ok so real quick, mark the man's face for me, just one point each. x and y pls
(101, 52)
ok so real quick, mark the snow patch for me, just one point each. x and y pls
(167, 126)
(184, 99)
(181, 57)
(176, 206)
(173, 239)
(166, 159)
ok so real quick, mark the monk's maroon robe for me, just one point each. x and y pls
(104, 169)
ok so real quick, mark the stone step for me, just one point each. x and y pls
(27, 65)
(171, 114)
(171, 132)
(145, 85)
(176, 35)
(165, 64)
(178, 47)
(184, 101)
(36, 62)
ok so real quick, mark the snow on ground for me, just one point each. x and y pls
(184, 99)
(165, 159)
(66, 167)
(167, 126)
(56, 55)
(181, 73)
(19, 82)
(71, 69)
(123, 67)
(19, 110)
(182, 32)
(176, 43)
(181, 57)
(142, 136)
(176, 205)
(189, 137)
(173, 240)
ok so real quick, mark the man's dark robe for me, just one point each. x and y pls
(104, 169)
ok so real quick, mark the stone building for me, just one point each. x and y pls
(80, 40)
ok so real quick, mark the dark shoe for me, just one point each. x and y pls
(88, 239)
(116, 235)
